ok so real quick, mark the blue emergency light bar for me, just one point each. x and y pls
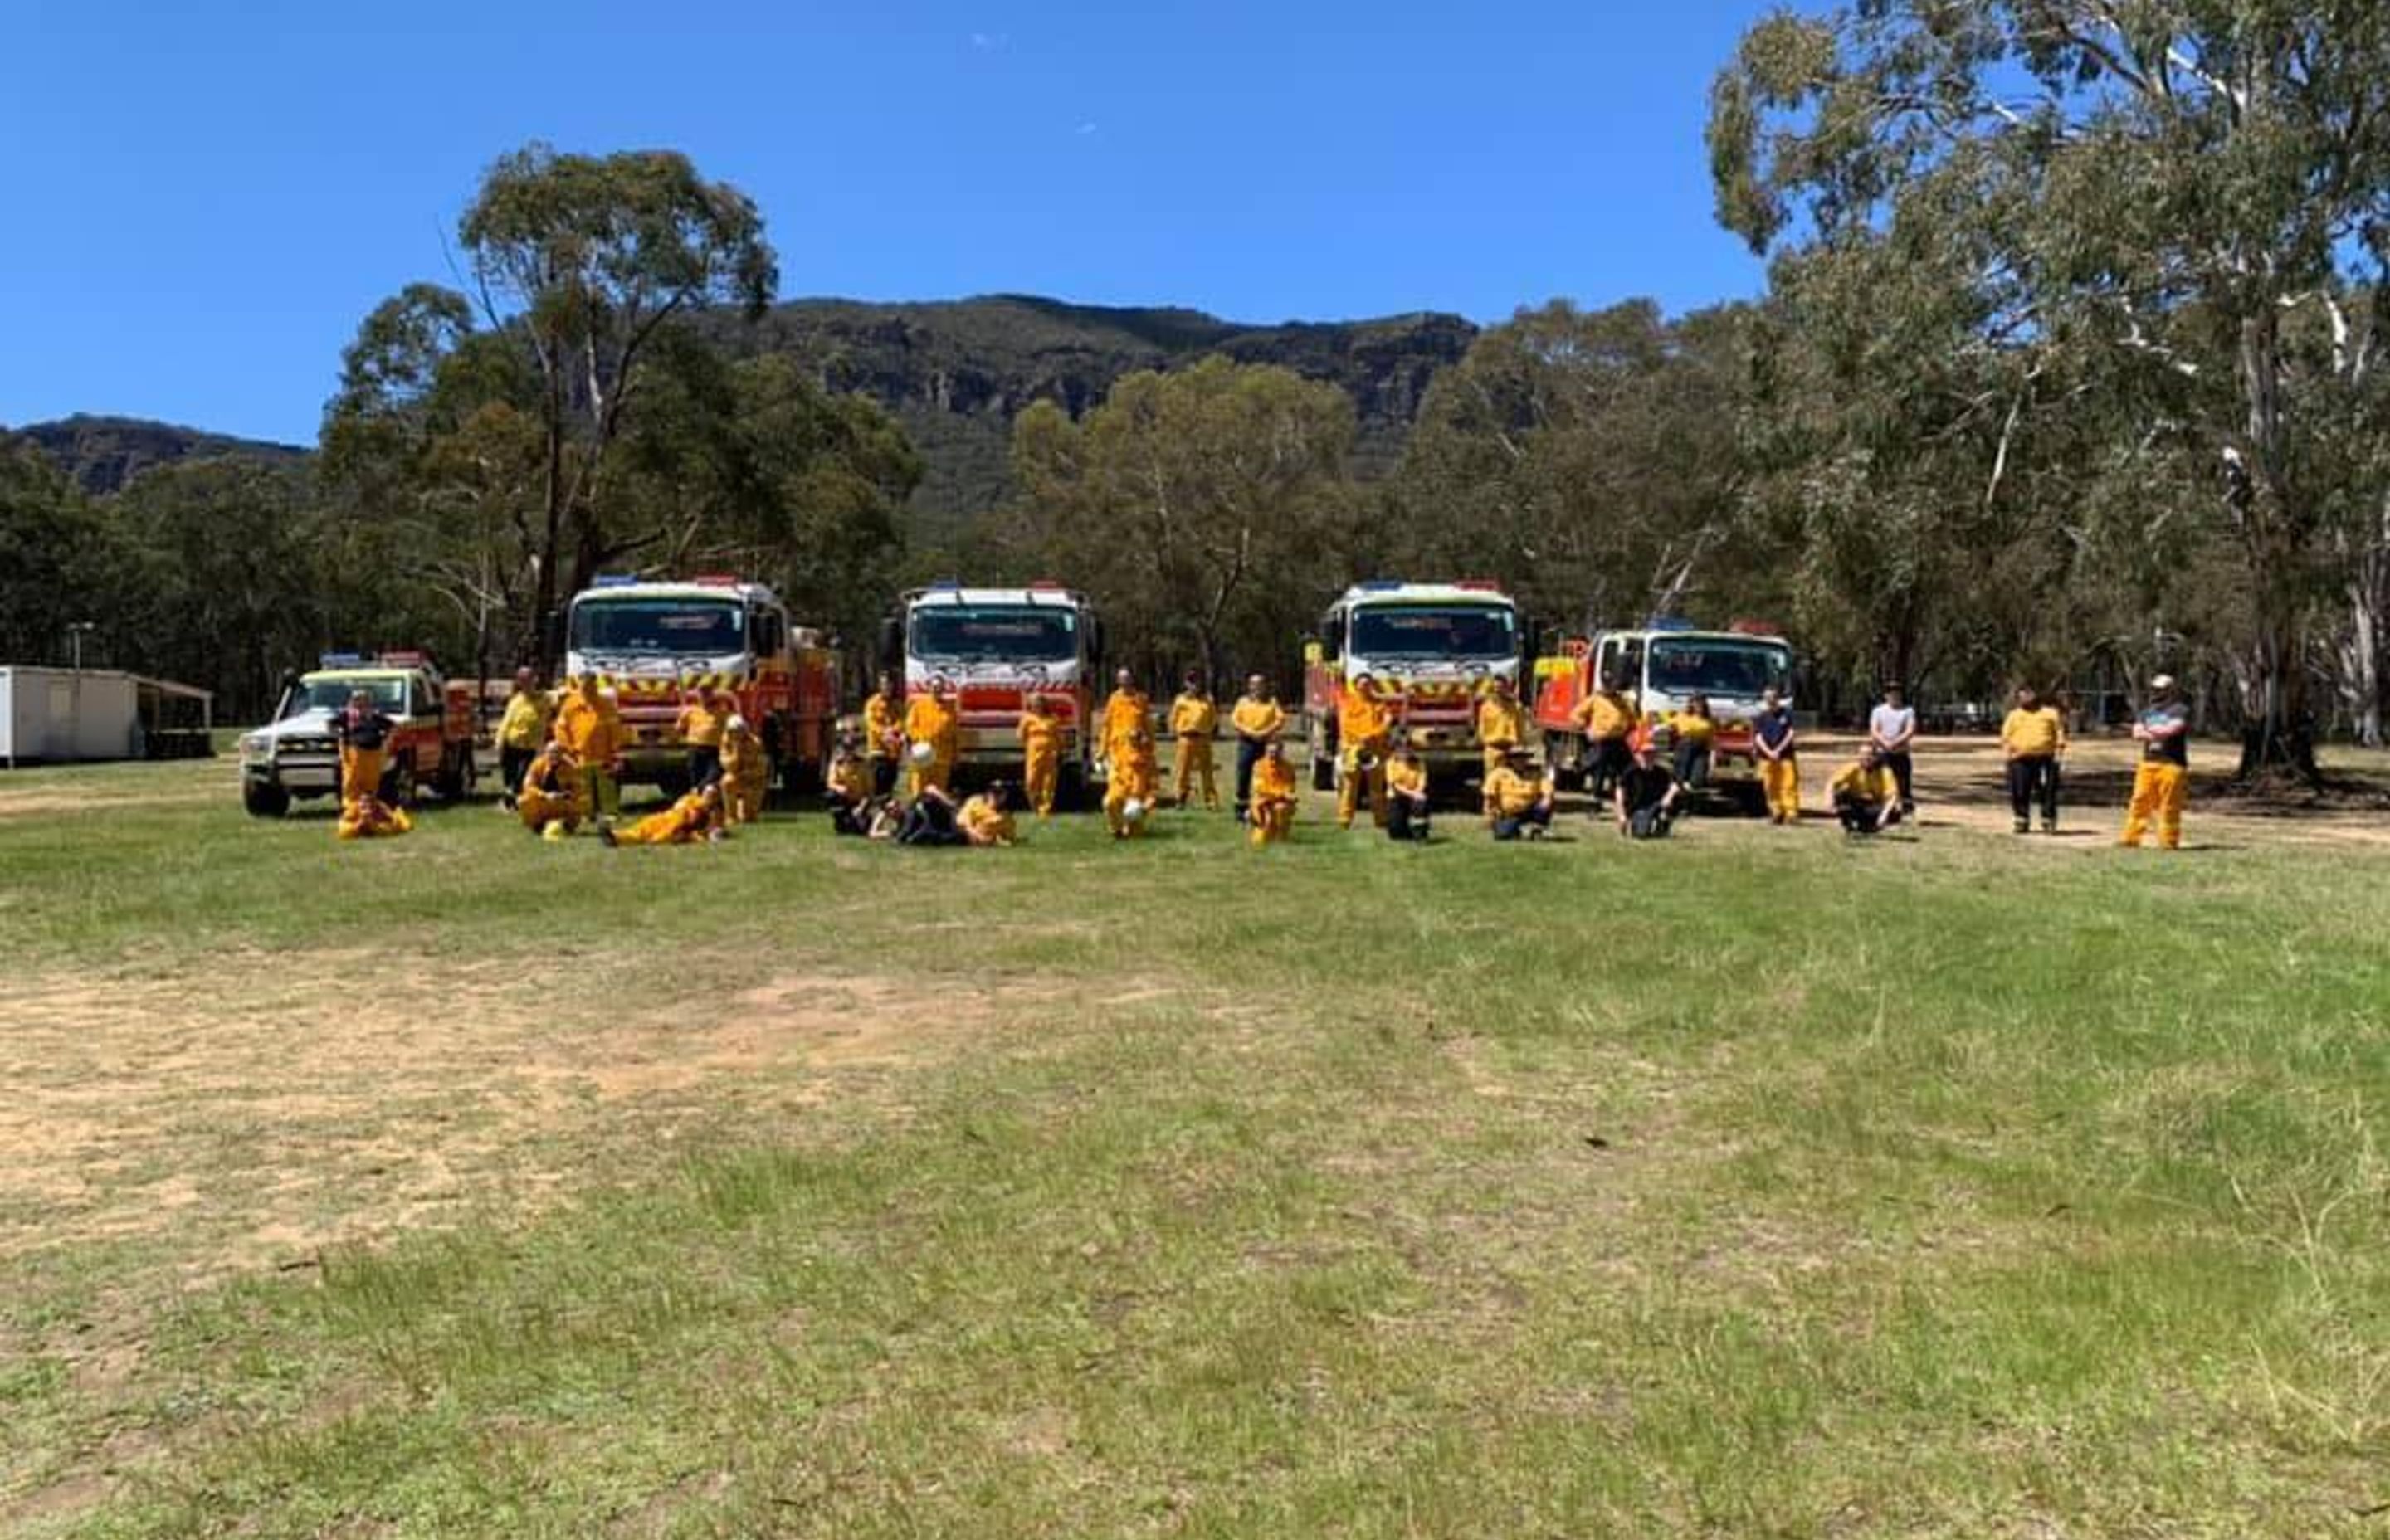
(612, 580)
(945, 585)
(1379, 585)
(1670, 623)
(341, 660)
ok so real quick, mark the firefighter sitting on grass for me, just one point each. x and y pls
(553, 798)
(986, 819)
(1406, 799)
(1866, 793)
(1272, 809)
(696, 816)
(1128, 796)
(745, 769)
(1518, 805)
(1647, 791)
(849, 785)
(369, 817)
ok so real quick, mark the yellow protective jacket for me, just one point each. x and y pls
(879, 727)
(1125, 711)
(1875, 786)
(2032, 734)
(849, 778)
(1193, 715)
(1509, 793)
(1041, 736)
(930, 720)
(701, 724)
(683, 823)
(983, 823)
(1500, 723)
(1362, 720)
(743, 762)
(1687, 728)
(586, 729)
(1406, 776)
(526, 722)
(1605, 714)
(1272, 782)
(1133, 773)
(1257, 719)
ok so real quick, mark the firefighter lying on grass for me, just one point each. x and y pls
(696, 816)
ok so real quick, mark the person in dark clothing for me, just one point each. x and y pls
(363, 731)
(931, 820)
(1648, 793)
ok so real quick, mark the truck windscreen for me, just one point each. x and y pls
(332, 695)
(1434, 631)
(994, 633)
(1742, 670)
(663, 627)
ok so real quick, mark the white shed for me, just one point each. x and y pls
(56, 714)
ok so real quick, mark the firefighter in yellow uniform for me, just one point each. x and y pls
(1194, 718)
(1041, 753)
(746, 772)
(1274, 798)
(364, 732)
(2162, 780)
(588, 732)
(883, 734)
(1866, 793)
(369, 817)
(1407, 793)
(704, 718)
(552, 794)
(986, 819)
(930, 718)
(522, 732)
(696, 815)
(1128, 793)
(1365, 726)
(1607, 716)
(1776, 745)
(1518, 806)
(1501, 723)
(1126, 710)
(1257, 721)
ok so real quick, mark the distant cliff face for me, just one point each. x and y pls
(102, 454)
(957, 373)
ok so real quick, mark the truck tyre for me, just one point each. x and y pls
(1323, 759)
(1749, 797)
(398, 784)
(1070, 789)
(454, 782)
(264, 799)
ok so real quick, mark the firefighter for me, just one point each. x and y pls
(522, 732)
(1127, 709)
(1194, 718)
(1258, 720)
(848, 783)
(1648, 793)
(363, 731)
(930, 819)
(700, 726)
(1693, 731)
(1501, 722)
(746, 772)
(367, 816)
(1518, 805)
(1272, 795)
(986, 819)
(552, 794)
(586, 730)
(1407, 792)
(1865, 792)
(695, 815)
(883, 734)
(1777, 746)
(2033, 740)
(932, 722)
(1608, 716)
(1364, 724)
(2162, 780)
(1041, 752)
(1128, 793)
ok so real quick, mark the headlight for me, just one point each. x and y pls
(256, 746)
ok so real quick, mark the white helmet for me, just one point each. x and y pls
(736, 725)
(923, 750)
(1132, 810)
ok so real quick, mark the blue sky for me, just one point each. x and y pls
(204, 198)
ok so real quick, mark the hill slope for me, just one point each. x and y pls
(101, 453)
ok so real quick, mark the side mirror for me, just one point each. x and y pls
(1314, 652)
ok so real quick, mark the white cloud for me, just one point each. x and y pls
(991, 43)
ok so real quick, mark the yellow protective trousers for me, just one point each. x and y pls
(1040, 774)
(360, 772)
(538, 809)
(600, 791)
(1116, 816)
(1781, 780)
(2160, 788)
(742, 800)
(1273, 821)
(1355, 779)
(1194, 762)
(920, 778)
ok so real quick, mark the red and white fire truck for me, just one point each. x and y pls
(1660, 667)
(1431, 647)
(296, 757)
(995, 646)
(653, 642)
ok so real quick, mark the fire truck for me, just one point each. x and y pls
(1661, 666)
(653, 642)
(1431, 647)
(995, 646)
(295, 757)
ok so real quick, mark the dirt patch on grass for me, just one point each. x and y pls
(280, 1104)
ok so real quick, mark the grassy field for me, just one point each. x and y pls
(1760, 1183)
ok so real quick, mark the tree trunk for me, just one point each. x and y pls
(2277, 728)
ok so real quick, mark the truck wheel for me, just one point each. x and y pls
(1749, 797)
(455, 777)
(398, 784)
(1323, 761)
(264, 799)
(1070, 789)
